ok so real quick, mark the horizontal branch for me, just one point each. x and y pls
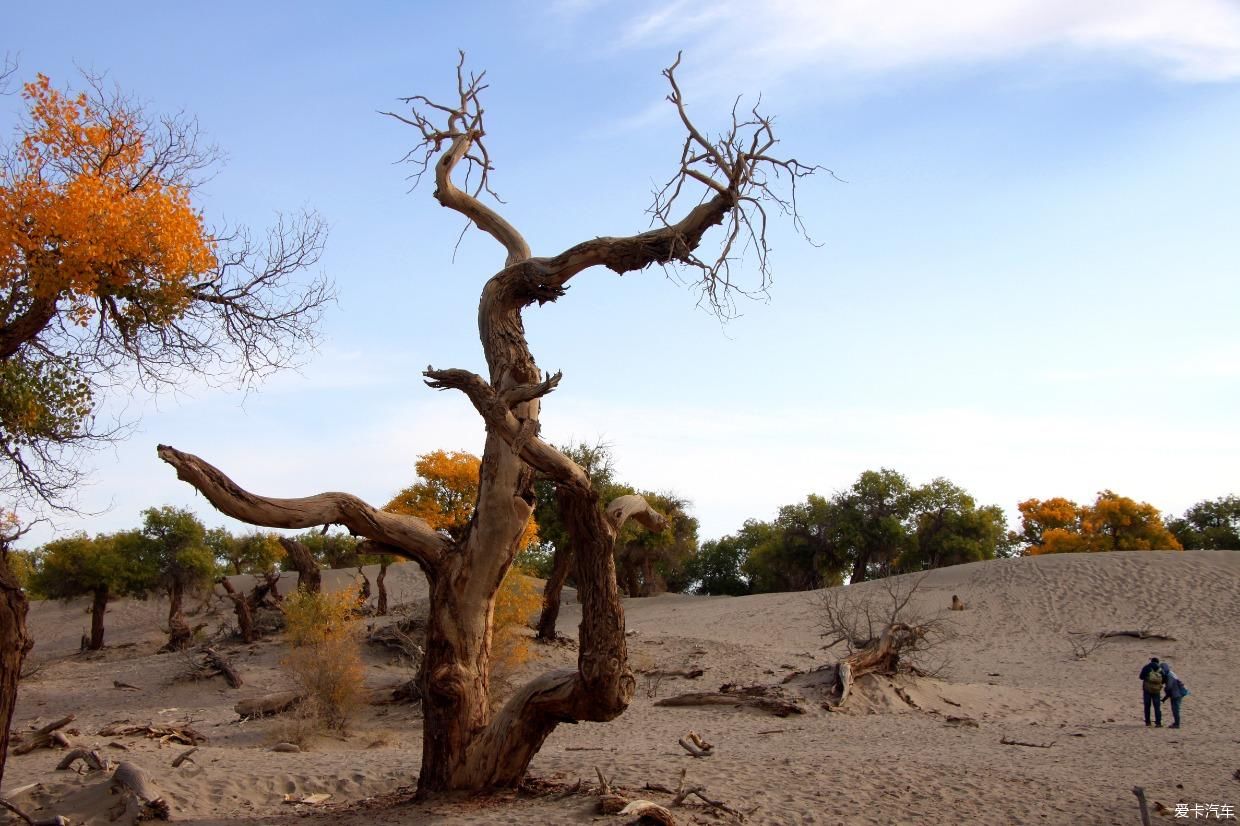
(633, 506)
(408, 536)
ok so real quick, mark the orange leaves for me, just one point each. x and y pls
(90, 207)
(1112, 523)
(445, 495)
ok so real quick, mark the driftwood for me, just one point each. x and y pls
(764, 698)
(1138, 633)
(682, 792)
(131, 780)
(696, 745)
(93, 760)
(1009, 742)
(171, 733)
(45, 737)
(221, 665)
(268, 704)
(281, 701)
(124, 686)
(647, 811)
(1145, 812)
(188, 754)
(688, 674)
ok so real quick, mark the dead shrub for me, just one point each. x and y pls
(325, 658)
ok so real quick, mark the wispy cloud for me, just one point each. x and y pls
(1187, 40)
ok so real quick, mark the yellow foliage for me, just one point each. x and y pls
(1112, 523)
(517, 603)
(445, 496)
(325, 661)
(86, 210)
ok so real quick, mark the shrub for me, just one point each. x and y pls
(325, 661)
(517, 604)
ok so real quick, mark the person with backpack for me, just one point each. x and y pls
(1176, 691)
(1152, 682)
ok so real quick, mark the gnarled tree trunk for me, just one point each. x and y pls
(15, 643)
(464, 747)
(243, 609)
(381, 606)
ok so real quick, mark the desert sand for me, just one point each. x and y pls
(892, 756)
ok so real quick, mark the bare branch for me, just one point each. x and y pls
(408, 536)
(463, 133)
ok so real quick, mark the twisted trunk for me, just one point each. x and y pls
(15, 643)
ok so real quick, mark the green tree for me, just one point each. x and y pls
(177, 544)
(717, 568)
(104, 568)
(334, 549)
(254, 553)
(1209, 525)
(950, 529)
(650, 562)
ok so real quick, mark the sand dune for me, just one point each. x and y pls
(893, 757)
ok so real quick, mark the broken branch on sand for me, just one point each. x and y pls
(1009, 742)
(695, 745)
(764, 698)
(45, 736)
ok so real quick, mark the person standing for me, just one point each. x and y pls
(1151, 690)
(1176, 691)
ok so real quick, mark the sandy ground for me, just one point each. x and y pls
(892, 759)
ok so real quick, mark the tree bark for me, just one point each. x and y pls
(243, 609)
(179, 634)
(299, 556)
(381, 608)
(561, 564)
(15, 643)
(98, 607)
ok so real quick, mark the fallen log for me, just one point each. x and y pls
(268, 704)
(647, 811)
(171, 733)
(759, 697)
(45, 736)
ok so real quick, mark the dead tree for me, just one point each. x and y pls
(465, 746)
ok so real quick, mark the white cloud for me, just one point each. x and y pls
(1190, 40)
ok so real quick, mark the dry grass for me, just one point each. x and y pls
(325, 658)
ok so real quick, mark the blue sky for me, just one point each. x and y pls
(1026, 280)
